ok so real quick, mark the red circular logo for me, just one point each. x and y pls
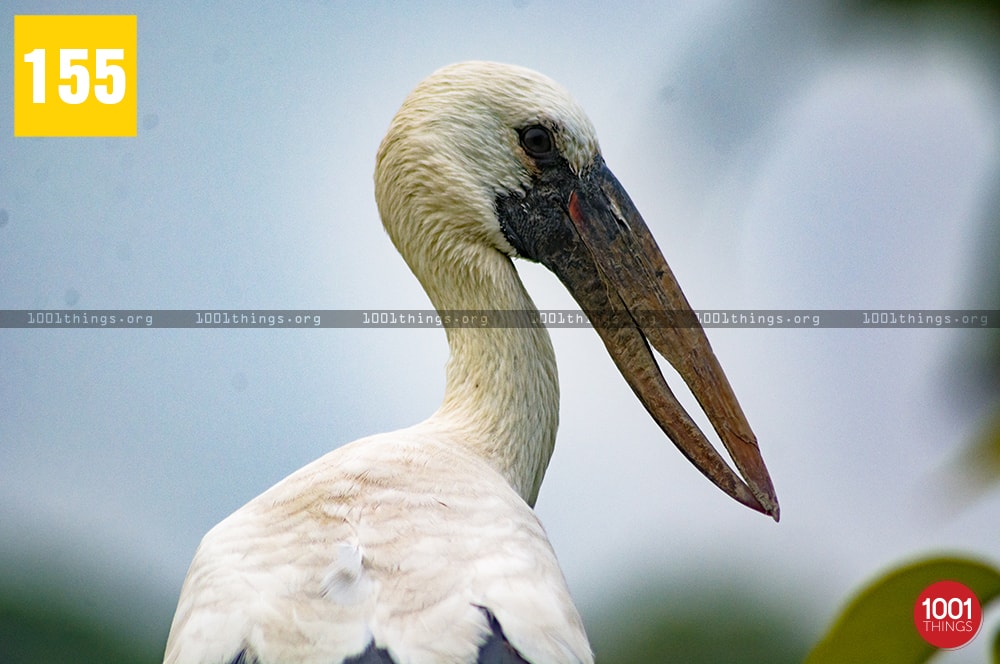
(948, 614)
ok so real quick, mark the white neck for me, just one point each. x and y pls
(502, 395)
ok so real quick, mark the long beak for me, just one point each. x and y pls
(604, 254)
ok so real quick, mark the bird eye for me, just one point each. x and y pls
(537, 141)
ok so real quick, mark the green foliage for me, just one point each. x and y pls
(704, 620)
(37, 633)
(877, 625)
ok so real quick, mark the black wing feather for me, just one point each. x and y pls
(371, 655)
(497, 649)
(244, 657)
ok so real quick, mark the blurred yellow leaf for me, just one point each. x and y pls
(975, 469)
(877, 625)
(981, 459)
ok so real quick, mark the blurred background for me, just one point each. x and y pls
(814, 155)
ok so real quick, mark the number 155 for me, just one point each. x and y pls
(71, 68)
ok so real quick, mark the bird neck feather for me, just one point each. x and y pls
(502, 393)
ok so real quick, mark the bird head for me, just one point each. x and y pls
(487, 157)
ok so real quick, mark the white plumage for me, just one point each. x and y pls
(350, 548)
(420, 546)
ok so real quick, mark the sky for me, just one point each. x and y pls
(783, 158)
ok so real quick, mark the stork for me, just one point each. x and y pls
(420, 546)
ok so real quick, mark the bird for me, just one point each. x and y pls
(421, 545)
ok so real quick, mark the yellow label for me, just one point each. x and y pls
(74, 75)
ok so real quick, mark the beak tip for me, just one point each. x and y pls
(768, 504)
(763, 491)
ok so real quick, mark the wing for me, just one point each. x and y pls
(394, 548)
